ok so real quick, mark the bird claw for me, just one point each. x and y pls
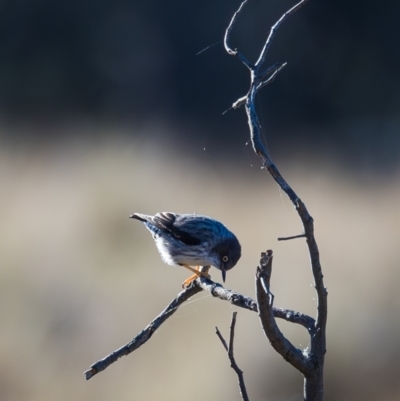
(197, 273)
(189, 280)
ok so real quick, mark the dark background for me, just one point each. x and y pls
(129, 62)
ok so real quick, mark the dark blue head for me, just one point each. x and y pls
(227, 252)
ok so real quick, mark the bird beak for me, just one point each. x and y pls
(223, 274)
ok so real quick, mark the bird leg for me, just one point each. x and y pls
(198, 271)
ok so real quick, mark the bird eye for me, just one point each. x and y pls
(225, 258)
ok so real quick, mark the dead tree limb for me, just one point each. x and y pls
(144, 335)
(265, 301)
(200, 284)
(311, 363)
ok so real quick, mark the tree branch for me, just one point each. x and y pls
(291, 237)
(266, 314)
(273, 31)
(144, 335)
(218, 333)
(234, 366)
(200, 284)
(272, 72)
(229, 50)
(313, 371)
(243, 301)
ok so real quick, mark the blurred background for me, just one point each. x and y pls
(111, 107)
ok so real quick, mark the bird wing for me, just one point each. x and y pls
(171, 223)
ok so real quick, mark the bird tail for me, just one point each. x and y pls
(139, 216)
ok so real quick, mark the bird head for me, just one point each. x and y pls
(227, 253)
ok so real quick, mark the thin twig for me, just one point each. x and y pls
(272, 77)
(144, 335)
(234, 366)
(292, 237)
(272, 71)
(218, 333)
(228, 48)
(273, 31)
(229, 29)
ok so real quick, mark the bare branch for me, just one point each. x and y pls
(312, 365)
(144, 335)
(229, 50)
(229, 29)
(278, 341)
(273, 71)
(296, 317)
(271, 78)
(200, 284)
(218, 333)
(292, 237)
(266, 268)
(243, 301)
(232, 335)
(239, 102)
(234, 366)
(273, 31)
(225, 294)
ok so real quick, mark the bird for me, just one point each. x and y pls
(192, 240)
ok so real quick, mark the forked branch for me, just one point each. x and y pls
(265, 301)
(229, 350)
(310, 363)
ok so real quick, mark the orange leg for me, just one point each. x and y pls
(197, 273)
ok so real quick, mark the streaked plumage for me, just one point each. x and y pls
(192, 239)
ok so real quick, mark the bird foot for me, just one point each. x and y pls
(197, 273)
